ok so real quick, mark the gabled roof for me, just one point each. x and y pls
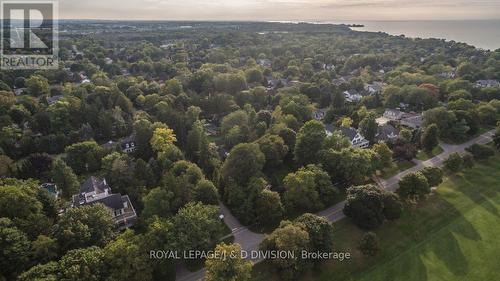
(349, 132)
(113, 201)
(384, 131)
(352, 92)
(93, 184)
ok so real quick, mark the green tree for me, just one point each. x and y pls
(480, 151)
(84, 226)
(268, 208)
(21, 202)
(274, 149)
(37, 85)
(162, 139)
(453, 163)
(41, 272)
(350, 165)
(429, 138)
(434, 175)
(206, 193)
(496, 137)
(126, 260)
(368, 128)
(229, 265)
(84, 157)
(197, 227)
(157, 203)
(244, 161)
(414, 186)
(393, 207)
(369, 244)
(487, 114)
(290, 238)
(309, 142)
(15, 249)
(86, 264)
(320, 232)
(65, 179)
(384, 154)
(365, 206)
(44, 249)
(301, 194)
(173, 87)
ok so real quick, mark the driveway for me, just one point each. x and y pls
(250, 241)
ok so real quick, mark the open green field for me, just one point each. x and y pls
(451, 236)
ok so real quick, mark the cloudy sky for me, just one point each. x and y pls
(316, 10)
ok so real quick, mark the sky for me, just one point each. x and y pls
(280, 10)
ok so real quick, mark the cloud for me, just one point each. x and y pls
(280, 9)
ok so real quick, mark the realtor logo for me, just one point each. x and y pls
(29, 35)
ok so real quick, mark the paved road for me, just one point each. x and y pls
(250, 241)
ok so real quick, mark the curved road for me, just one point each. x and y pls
(250, 241)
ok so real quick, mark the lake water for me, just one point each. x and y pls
(483, 34)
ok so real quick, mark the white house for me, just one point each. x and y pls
(94, 191)
(487, 84)
(374, 88)
(352, 96)
(393, 114)
(356, 139)
(319, 114)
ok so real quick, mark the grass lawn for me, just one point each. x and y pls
(423, 155)
(396, 168)
(453, 235)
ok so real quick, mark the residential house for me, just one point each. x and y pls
(129, 144)
(319, 114)
(94, 191)
(211, 128)
(19, 91)
(356, 139)
(352, 96)
(393, 114)
(374, 88)
(342, 80)
(387, 133)
(487, 84)
(54, 99)
(447, 75)
(412, 120)
(264, 63)
(329, 130)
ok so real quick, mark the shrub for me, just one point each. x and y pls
(369, 245)
(454, 163)
(434, 175)
(468, 160)
(480, 151)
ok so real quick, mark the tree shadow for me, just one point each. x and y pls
(479, 197)
(448, 250)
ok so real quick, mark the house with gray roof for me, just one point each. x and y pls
(487, 84)
(374, 88)
(352, 95)
(393, 114)
(353, 135)
(387, 133)
(412, 120)
(94, 191)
